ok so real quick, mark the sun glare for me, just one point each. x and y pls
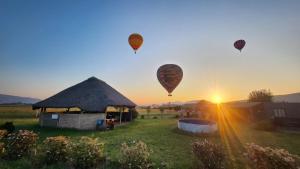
(217, 99)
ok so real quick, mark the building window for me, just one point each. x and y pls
(279, 113)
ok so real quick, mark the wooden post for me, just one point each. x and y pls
(130, 114)
(120, 115)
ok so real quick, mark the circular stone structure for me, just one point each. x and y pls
(197, 126)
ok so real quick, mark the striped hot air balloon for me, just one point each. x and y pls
(169, 76)
(135, 40)
(239, 44)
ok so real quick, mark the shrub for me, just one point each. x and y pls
(8, 126)
(266, 157)
(135, 156)
(54, 150)
(19, 144)
(86, 153)
(135, 113)
(266, 125)
(154, 117)
(176, 116)
(142, 116)
(209, 154)
(3, 134)
(2, 150)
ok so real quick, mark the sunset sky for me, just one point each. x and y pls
(49, 45)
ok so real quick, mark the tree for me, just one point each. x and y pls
(161, 109)
(177, 108)
(262, 95)
(148, 108)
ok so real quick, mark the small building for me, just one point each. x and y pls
(84, 106)
(283, 113)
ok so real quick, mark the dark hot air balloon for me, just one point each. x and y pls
(135, 40)
(239, 44)
(169, 76)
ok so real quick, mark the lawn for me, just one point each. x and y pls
(167, 143)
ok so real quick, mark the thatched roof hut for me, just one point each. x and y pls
(92, 97)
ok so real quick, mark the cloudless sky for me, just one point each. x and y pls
(49, 45)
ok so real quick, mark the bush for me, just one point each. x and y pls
(135, 156)
(3, 134)
(8, 126)
(209, 154)
(266, 125)
(19, 144)
(266, 157)
(142, 116)
(86, 153)
(154, 117)
(176, 116)
(54, 150)
(135, 113)
(2, 150)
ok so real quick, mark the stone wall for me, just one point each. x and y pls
(73, 121)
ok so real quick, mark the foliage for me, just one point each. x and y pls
(269, 158)
(19, 144)
(154, 117)
(177, 108)
(2, 149)
(262, 95)
(3, 134)
(135, 113)
(142, 116)
(87, 153)
(8, 126)
(266, 125)
(161, 109)
(55, 149)
(148, 109)
(169, 145)
(209, 154)
(135, 155)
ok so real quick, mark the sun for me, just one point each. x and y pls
(217, 99)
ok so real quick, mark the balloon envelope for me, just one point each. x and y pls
(135, 40)
(169, 76)
(239, 44)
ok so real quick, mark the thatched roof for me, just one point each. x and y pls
(91, 95)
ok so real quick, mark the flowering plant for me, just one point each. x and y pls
(266, 157)
(55, 149)
(19, 144)
(86, 153)
(209, 154)
(135, 155)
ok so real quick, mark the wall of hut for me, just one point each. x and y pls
(73, 121)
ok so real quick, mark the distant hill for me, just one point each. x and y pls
(292, 98)
(8, 99)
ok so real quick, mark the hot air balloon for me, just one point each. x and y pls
(239, 44)
(169, 76)
(135, 40)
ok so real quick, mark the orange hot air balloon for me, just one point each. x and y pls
(169, 76)
(135, 41)
(239, 44)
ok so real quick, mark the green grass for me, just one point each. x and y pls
(167, 143)
(16, 111)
